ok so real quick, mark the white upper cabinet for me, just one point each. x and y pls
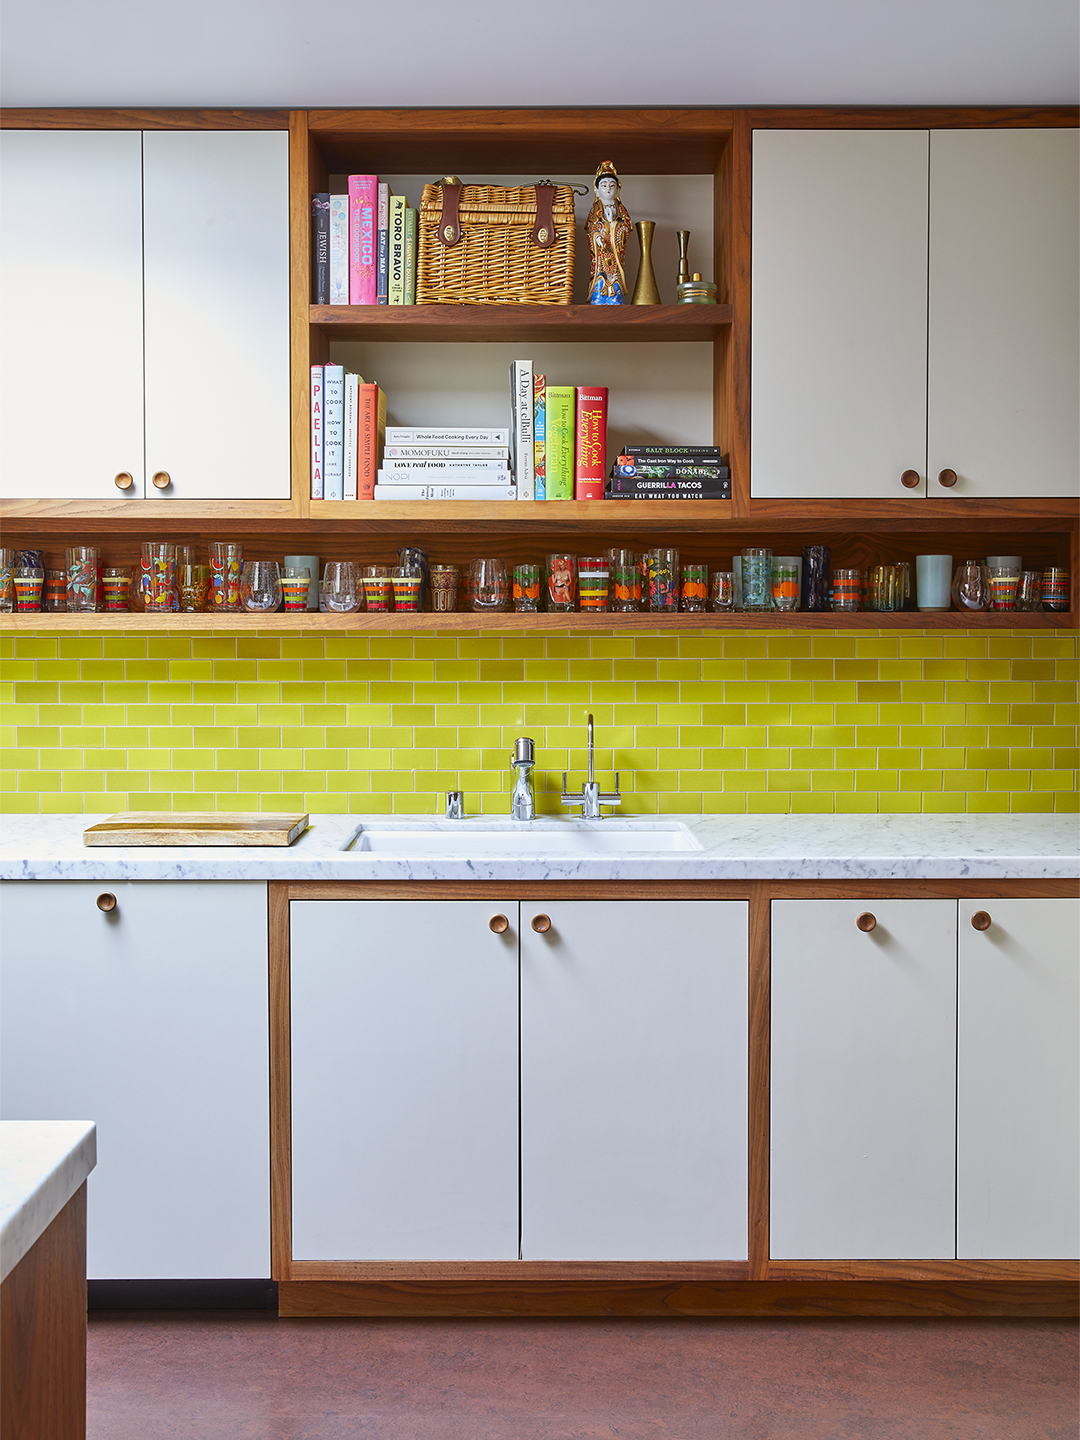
(71, 313)
(915, 309)
(145, 320)
(838, 357)
(1004, 351)
(217, 313)
(1018, 1101)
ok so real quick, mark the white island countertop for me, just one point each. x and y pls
(739, 847)
(42, 1165)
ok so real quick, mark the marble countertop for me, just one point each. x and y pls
(738, 847)
(42, 1165)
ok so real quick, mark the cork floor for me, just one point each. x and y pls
(247, 1375)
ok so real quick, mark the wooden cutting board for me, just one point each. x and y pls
(151, 827)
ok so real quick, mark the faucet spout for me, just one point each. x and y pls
(591, 797)
(592, 774)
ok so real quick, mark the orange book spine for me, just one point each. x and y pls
(372, 428)
(590, 462)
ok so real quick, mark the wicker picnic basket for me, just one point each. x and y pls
(490, 245)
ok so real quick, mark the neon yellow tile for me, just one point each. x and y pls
(943, 803)
(988, 804)
(744, 781)
(899, 804)
(725, 804)
(1051, 780)
(1067, 803)
(964, 647)
(78, 647)
(856, 804)
(838, 692)
(877, 780)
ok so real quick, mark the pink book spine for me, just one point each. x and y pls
(363, 238)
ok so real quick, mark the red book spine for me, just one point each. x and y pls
(363, 238)
(590, 460)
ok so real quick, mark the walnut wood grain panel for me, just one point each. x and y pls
(908, 117)
(759, 1055)
(313, 622)
(522, 324)
(519, 1271)
(551, 142)
(1065, 1272)
(1032, 1299)
(43, 1333)
(84, 119)
(280, 1084)
(302, 183)
(741, 300)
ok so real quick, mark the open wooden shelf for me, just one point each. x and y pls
(138, 622)
(522, 324)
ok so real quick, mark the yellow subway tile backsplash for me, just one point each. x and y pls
(697, 723)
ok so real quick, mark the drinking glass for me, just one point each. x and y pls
(695, 588)
(83, 564)
(526, 588)
(971, 586)
(260, 586)
(116, 583)
(561, 577)
(407, 580)
(7, 585)
(816, 577)
(489, 589)
(193, 584)
(785, 582)
(624, 590)
(663, 580)
(295, 584)
(28, 583)
(593, 582)
(377, 585)
(158, 576)
(1055, 588)
(933, 581)
(1029, 590)
(723, 590)
(1003, 583)
(756, 579)
(846, 589)
(310, 563)
(226, 562)
(54, 592)
(444, 587)
(1005, 562)
(342, 587)
(885, 587)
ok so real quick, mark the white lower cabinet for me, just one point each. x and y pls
(408, 1124)
(404, 1080)
(634, 1080)
(863, 1080)
(1018, 1102)
(151, 1020)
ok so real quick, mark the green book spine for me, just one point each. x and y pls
(559, 442)
(410, 256)
(396, 279)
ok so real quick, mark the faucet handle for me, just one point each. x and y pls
(455, 804)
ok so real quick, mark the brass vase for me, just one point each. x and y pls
(684, 264)
(645, 291)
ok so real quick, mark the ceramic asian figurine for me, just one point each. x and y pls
(607, 227)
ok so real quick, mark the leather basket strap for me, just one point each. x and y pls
(449, 221)
(543, 233)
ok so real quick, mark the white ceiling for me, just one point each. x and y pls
(502, 52)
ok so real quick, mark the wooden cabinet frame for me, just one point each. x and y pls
(760, 1285)
(692, 140)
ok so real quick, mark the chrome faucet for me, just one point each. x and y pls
(591, 797)
(523, 802)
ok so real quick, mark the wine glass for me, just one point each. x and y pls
(260, 586)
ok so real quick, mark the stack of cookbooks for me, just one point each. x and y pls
(558, 436)
(670, 472)
(363, 246)
(428, 462)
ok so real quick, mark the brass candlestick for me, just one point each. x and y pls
(684, 264)
(646, 291)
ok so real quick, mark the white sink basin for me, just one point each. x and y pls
(468, 838)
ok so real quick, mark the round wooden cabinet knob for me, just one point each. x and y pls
(106, 902)
(981, 920)
(866, 922)
(947, 478)
(162, 479)
(498, 923)
(123, 481)
(909, 479)
(541, 924)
